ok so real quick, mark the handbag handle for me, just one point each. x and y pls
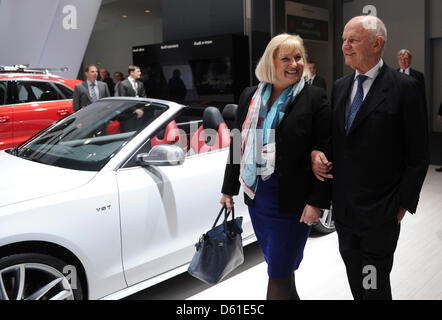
(226, 215)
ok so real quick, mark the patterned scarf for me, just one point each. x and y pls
(258, 149)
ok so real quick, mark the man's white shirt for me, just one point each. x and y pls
(366, 85)
(134, 86)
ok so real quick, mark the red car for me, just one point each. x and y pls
(31, 100)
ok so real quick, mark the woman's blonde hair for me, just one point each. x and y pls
(282, 44)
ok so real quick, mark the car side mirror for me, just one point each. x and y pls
(162, 155)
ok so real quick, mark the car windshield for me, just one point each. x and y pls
(87, 139)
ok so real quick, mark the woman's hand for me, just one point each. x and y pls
(228, 201)
(310, 215)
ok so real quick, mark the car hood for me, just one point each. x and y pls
(22, 180)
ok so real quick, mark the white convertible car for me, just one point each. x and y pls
(111, 199)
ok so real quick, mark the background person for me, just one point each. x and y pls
(177, 88)
(118, 77)
(282, 194)
(89, 90)
(315, 79)
(404, 61)
(105, 77)
(380, 157)
(132, 86)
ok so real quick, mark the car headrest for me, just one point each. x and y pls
(212, 118)
(166, 132)
(47, 96)
(229, 112)
(168, 135)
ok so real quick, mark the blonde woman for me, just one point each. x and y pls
(281, 121)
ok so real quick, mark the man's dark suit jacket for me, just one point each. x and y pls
(419, 76)
(125, 89)
(320, 82)
(110, 84)
(381, 165)
(306, 124)
(82, 98)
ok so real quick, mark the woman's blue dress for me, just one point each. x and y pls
(282, 237)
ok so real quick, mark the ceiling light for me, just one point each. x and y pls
(124, 16)
(147, 11)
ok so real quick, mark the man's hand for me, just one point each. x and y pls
(310, 215)
(320, 165)
(401, 214)
(139, 113)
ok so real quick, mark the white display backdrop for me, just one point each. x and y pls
(46, 33)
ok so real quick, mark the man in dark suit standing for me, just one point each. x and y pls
(380, 157)
(404, 60)
(315, 79)
(132, 86)
(90, 90)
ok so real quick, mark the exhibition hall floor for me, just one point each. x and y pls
(416, 275)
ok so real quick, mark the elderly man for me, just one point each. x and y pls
(380, 157)
(90, 90)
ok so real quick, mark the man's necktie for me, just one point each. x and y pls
(357, 102)
(93, 93)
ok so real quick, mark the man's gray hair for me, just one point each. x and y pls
(404, 51)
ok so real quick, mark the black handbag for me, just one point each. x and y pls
(219, 251)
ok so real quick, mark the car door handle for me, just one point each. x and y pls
(63, 112)
(4, 119)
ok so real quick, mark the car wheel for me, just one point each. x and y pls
(326, 223)
(30, 276)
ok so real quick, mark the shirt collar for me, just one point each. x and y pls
(89, 83)
(373, 72)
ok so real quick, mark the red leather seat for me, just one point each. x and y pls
(171, 135)
(212, 134)
(113, 128)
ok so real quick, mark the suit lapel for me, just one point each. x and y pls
(342, 92)
(131, 88)
(86, 87)
(376, 95)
